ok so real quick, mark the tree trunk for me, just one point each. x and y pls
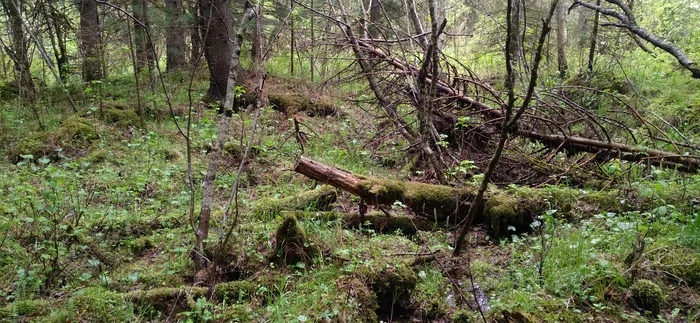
(561, 40)
(515, 36)
(195, 35)
(216, 23)
(58, 39)
(144, 55)
(594, 40)
(175, 35)
(90, 34)
(19, 52)
(222, 137)
(375, 16)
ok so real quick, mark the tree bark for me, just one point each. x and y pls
(562, 63)
(19, 52)
(216, 24)
(515, 36)
(175, 35)
(90, 38)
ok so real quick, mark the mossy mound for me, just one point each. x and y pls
(683, 263)
(32, 146)
(647, 295)
(291, 103)
(77, 128)
(235, 292)
(74, 135)
(139, 245)
(392, 284)
(291, 245)
(120, 117)
(359, 292)
(319, 199)
(96, 304)
(24, 309)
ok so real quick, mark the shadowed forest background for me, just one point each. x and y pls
(348, 161)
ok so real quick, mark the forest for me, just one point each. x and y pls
(512, 161)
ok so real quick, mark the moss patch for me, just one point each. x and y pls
(392, 284)
(120, 117)
(96, 304)
(647, 295)
(318, 199)
(22, 310)
(291, 246)
(681, 262)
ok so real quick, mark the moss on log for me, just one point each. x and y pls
(318, 199)
(377, 221)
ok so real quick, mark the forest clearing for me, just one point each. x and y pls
(349, 161)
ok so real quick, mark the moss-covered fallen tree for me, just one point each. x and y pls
(318, 199)
(376, 221)
(505, 212)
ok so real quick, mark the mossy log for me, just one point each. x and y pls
(318, 199)
(377, 221)
(433, 202)
(166, 298)
(506, 211)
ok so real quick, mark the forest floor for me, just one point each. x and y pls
(95, 228)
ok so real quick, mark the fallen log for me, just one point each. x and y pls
(685, 163)
(376, 221)
(505, 211)
(502, 213)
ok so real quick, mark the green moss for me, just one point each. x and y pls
(318, 199)
(96, 304)
(392, 284)
(24, 309)
(98, 156)
(291, 245)
(288, 103)
(647, 295)
(680, 262)
(120, 117)
(33, 145)
(139, 245)
(235, 291)
(437, 202)
(502, 216)
(77, 128)
(515, 317)
(431, 293)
